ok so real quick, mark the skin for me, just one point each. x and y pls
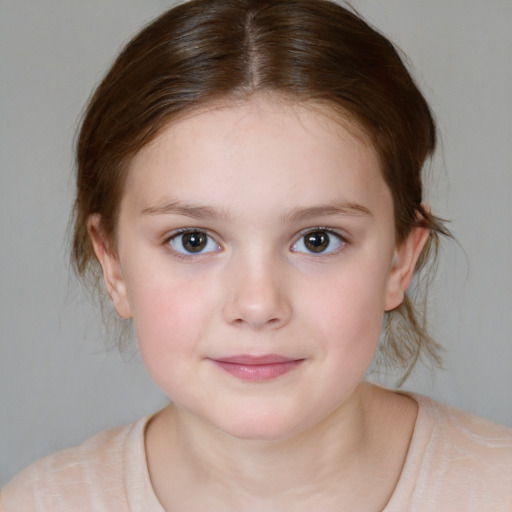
(256, 178)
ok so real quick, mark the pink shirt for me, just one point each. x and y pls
(456, 462)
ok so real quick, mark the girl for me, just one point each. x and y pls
(249, 187)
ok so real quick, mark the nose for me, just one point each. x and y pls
(257, 297)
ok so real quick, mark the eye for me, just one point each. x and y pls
(318, 241)
(193, 242)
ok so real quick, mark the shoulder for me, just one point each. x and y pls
(90, 476)
(459, 433)
(459, 461)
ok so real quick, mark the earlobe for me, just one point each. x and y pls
(403, 266)
(112, 274)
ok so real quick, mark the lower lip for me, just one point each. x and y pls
(258, 372)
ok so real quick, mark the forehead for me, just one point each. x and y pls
(246, 148)
(267, 107)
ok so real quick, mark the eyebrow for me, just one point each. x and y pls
(194, 211)
(201, 212)
(345, 209)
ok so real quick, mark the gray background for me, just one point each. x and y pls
(59, 385)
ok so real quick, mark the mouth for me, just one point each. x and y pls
(257, 368)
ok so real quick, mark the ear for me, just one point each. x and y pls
(109, 261)
(404, 264)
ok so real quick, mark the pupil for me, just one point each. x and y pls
(317, 242)
(194, 242)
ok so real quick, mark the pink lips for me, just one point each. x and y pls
(257, 368)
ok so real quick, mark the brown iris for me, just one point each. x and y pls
(317, 241)
(195, 241)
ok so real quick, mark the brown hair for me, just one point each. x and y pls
(310, 50)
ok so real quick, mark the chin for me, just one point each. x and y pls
(265, 426)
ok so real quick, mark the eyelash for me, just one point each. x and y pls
(184, 256)
(341, 240)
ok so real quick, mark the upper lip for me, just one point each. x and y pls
(251, 360)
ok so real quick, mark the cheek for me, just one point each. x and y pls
(347, 312)
(170, 318)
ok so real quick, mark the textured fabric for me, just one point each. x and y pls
(105, 473)
(456, 462)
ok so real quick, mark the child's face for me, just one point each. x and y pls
(258, 230)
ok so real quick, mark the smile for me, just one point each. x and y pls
(257, 368)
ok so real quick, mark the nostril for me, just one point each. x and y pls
(258, 323)
(257, 303)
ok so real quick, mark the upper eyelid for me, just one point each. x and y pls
(333, 231)
(181, 231)
(341, 234)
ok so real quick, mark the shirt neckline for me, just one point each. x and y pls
(423, 426)
(141, 495)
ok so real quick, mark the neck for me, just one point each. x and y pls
(335, 457)
(266, 468)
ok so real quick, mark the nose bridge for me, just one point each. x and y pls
(257, 293)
